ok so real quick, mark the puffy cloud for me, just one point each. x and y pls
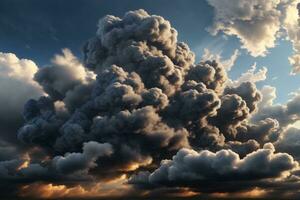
(73, 162)
(114, 188)
(66, 79)
(210, 73)
(206, 171)
(41, 122)
(65, 73)
(263, 131)
(291, 24)
(268, 96)
(295, 62)
(141, 43)
(16, 87)
(248, 92)
(238, 17)
(232, 112)
(266, 20)
(251, 75)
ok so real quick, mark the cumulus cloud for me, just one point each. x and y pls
(249, 93)
(73, 162)
(66, 79)
(16, 87)
(291, 24)
(207, 171)
(139, 104)
(268, 96)
(238, 17)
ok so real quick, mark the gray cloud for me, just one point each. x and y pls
(248, 92)
(289, 142)
(285, 114)
(139, 100)
(61, 168)
(211, 171)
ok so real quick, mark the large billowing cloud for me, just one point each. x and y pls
(139, 108)
(259, 23)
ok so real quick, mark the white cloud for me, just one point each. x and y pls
(16, 85)
(252, 75)
(291, 24)
(254, 22)
(227, 63)
(258, 23)
(268, 96)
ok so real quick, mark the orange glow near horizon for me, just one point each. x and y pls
(112, 188)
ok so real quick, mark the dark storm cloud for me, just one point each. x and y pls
(137, 100)
(210, 73)
(263, 131)
(41, 122)
(67, 169)
(232, 112)
(248, 92)
(139, 67)
(71, 166)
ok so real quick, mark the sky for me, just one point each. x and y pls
(110, 98)
(39, 29)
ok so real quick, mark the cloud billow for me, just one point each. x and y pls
(140, 107)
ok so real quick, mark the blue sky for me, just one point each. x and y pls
(37, 30)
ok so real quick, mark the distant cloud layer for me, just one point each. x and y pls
(139, 117)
